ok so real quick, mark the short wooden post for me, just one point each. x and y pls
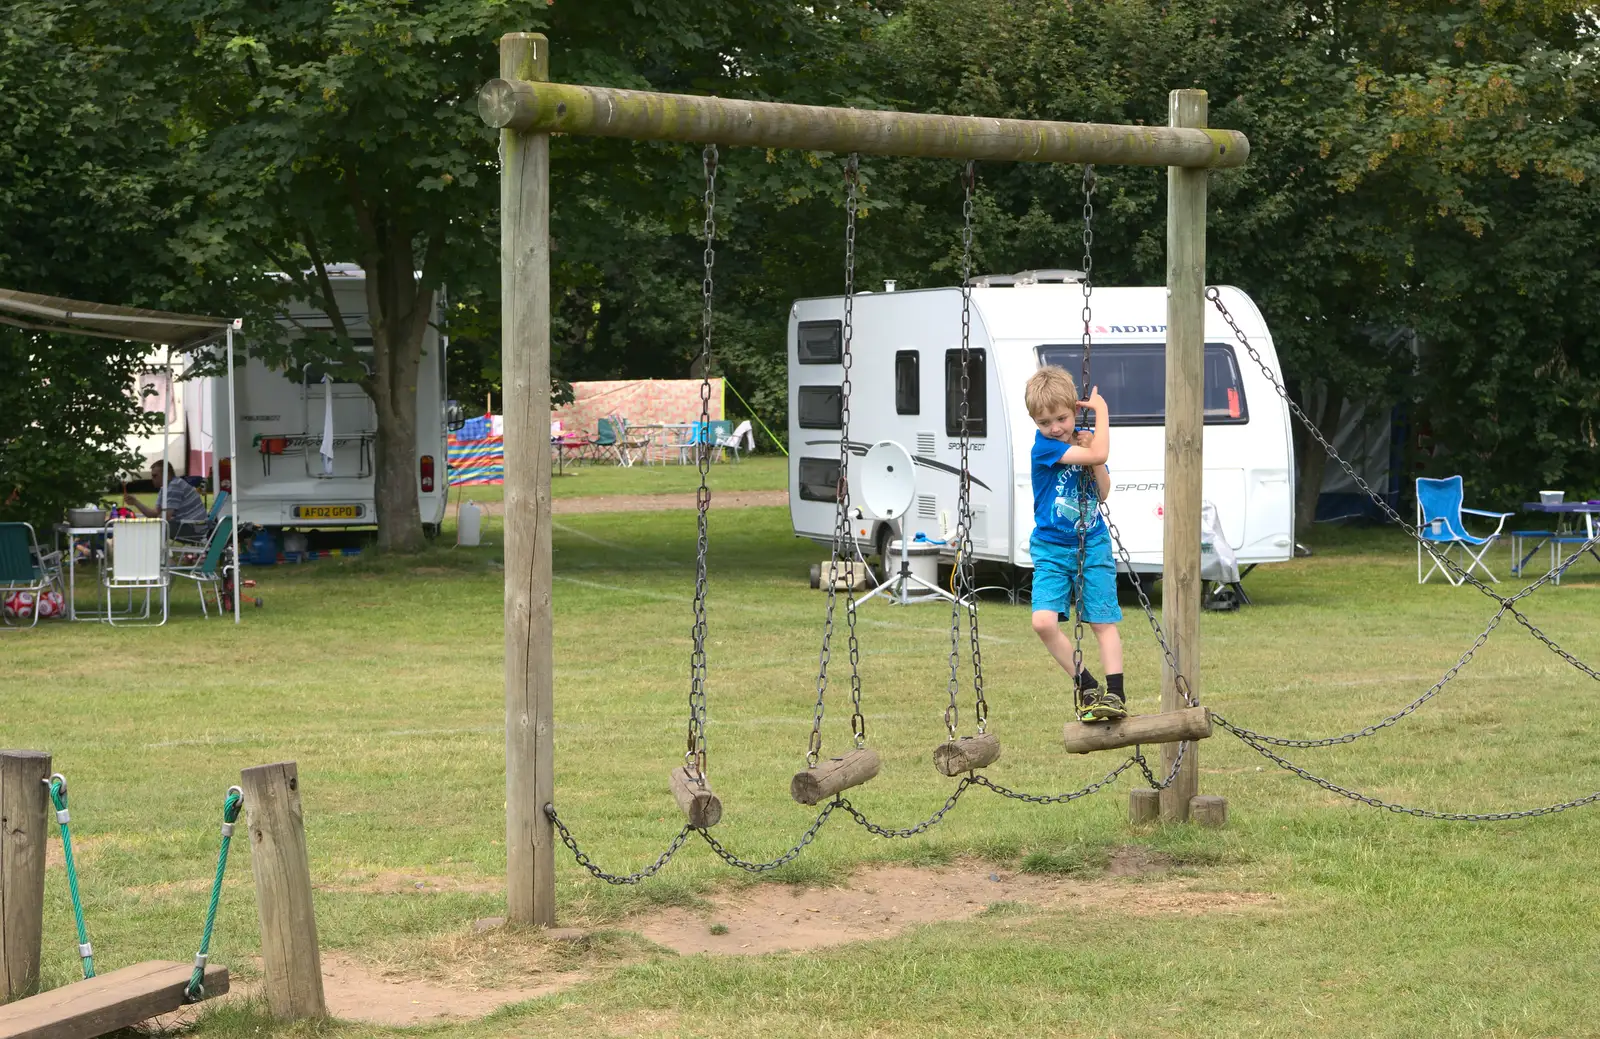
(289, 953)
(1180, 590)
(24, 830)
(1208, 810)
(1144, 805)
(525, 382)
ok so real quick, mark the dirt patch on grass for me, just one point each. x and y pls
(650, 502)
(878, 902)
(358, 993)
(887, 901)
(411, 884)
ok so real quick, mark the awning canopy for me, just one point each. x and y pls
(57, 314)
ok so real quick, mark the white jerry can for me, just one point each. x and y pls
(469, 522)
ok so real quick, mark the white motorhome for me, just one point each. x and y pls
(905, 386)
(307, 447)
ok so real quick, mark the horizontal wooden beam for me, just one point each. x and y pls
(107, 1002)
(1192, 723)
(643, 115)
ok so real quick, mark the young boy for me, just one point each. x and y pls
(1063, 456)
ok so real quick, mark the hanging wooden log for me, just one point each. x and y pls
(826, 778)
(954, 757)
(1193, 723)
(699, 804)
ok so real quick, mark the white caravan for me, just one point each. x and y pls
(307, 447)
(905, 386)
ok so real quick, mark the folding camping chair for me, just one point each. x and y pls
(137, 551)
(24, 570)
(611, 436)
(743, 434)
(208, 570)
(1439, 521)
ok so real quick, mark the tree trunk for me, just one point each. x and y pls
(400, 309)
(1314, 460)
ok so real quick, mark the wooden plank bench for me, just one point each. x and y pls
(106, 1003)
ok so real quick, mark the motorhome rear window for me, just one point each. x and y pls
(907, 383)
(1133, 379)
(820, 408)
(821, 342)
(819, 479)
(977, 394)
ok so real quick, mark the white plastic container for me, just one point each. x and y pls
(469, 523)
(1551, 497)
(921, 557)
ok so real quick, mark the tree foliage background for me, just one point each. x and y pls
(1417, 165)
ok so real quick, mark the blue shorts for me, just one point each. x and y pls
(1055, 573)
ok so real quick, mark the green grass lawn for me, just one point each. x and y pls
(760, 473)
(382, 678)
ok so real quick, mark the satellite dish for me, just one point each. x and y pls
(888, 483)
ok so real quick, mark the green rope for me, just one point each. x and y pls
(58, 797)
(196, 990)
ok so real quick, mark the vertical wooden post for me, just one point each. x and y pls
(24, 829)
(525, 397)
(1180, 594)
(289, 954)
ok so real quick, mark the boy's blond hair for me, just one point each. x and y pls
(1050, 389)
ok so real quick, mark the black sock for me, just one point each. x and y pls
(1085, 680)
(1114, 684)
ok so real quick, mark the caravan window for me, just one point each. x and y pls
(977, 394)
(1133, 380)
(820, 342)
(821, 408)
(819, 479)
(907, 383)
(154, 390)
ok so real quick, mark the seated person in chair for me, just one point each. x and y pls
(182, 505)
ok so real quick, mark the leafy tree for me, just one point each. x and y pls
(87, 189)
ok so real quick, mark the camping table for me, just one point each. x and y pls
(1567, 525)
(659, 435)
(560, 446)
(73, 535)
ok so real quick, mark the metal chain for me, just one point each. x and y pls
(615, 878)
(1421, 813)
(1461, 662)
(1048, 799)
(1085, 473)
(695, 757)
(910, 831)
(841, 515)
(1445, 561)
(852, 178)
(962, 581)
(1180, 681)
(782, 860)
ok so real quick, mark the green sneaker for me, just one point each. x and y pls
(1097, 705)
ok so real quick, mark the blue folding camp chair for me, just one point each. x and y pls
(1439, 521)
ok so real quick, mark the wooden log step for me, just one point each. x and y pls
(826, 778)
(1193, 723)
(954, 757)
(699, 804)
(120, 999)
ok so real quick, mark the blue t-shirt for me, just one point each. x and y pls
(1056, 496)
